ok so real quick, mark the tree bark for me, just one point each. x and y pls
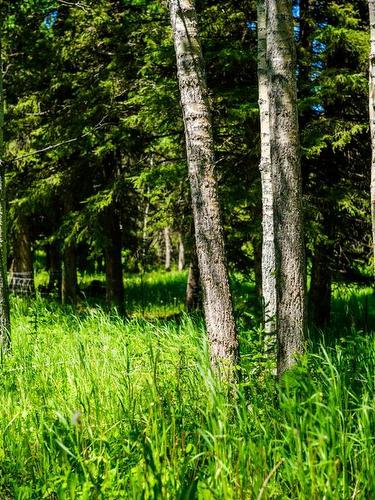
(54, 267)
(268, 242)
(371, 4)
(69, 285)
(320, 288)
(22, 266)
(181, 252)
(145, 229)
(218, 309)
(287, 188)
(193, 290)
(4, 295)
(168, 249)
(113, 261)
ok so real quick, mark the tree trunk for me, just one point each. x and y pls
(4, 295)
(113, 261)
(145, 229)
(371, 4)
(193, 291)
(168, 249)
(320, 288)
(287, 189)
(54, 267)
(218, 309)
(268, 242)
(181, 252)
(69, 285)
(22, 276)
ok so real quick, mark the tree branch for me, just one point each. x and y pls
(74, 4)
(62, 143)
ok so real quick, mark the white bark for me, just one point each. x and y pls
(268, 244)
(218, 309)
(286, 180)
(181, 252)
(168, 249)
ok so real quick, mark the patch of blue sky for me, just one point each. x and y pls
(318, 109)
(51, 19)
(296, 11)
(251, 25)
(318, 47)
(297, 32)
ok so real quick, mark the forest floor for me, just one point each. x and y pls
(94, 406)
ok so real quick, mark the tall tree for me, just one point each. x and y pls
(287, 186)
(268, 243)
(209, 237)
(371, 5)
(4, 298)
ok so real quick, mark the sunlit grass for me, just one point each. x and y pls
(94, 406)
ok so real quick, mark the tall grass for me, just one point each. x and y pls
(92, 406)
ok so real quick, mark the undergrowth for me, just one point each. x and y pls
(94, 406)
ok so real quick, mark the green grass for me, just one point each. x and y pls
(92, 406)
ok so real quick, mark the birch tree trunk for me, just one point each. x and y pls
(167, 248)
(4, 296)
(371, 4)
(268, 243)
(181, 252)
(287, 188)
(218, 309)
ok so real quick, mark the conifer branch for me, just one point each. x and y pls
(62, 143)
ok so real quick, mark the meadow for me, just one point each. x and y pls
(93, 406)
